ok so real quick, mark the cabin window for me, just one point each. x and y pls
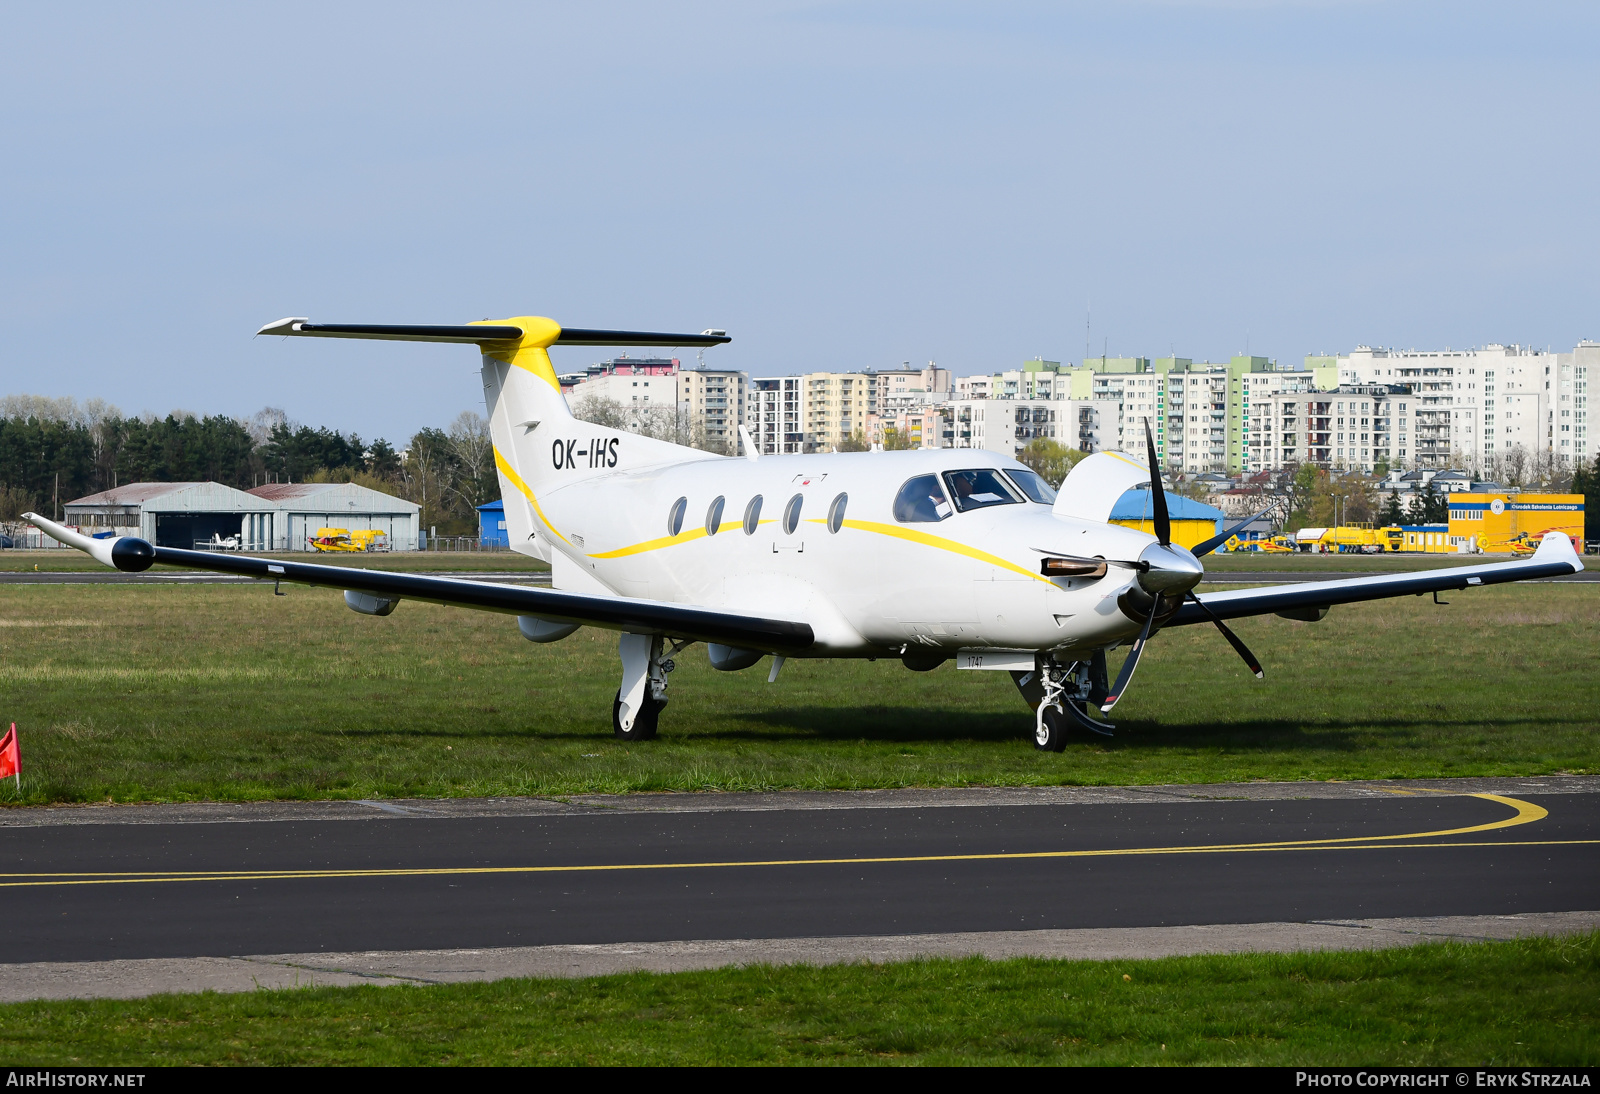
(980, 488)
(1032, 485)
(836, 513)
(791, 514)
(675, 516)
(752, 516)
(921, 501)
(714, 517)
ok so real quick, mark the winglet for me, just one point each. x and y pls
(287, 326)
(1557, 547)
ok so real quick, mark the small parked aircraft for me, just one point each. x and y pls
(924, 556)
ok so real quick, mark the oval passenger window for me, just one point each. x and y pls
(714, 517)
(675, 516)
(836, 513)
(791, 514)
(752, 515)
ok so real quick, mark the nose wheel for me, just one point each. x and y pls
(1050, 730)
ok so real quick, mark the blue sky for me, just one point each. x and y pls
(840, 185)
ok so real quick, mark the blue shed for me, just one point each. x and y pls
(492, 525)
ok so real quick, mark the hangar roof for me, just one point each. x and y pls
(331, 497)
(1135, 505)
(172, 497)
(135, 493)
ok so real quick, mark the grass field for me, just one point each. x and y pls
(227, 692)
(1505, 1003)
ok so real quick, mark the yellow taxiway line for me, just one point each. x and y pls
(1524, 813)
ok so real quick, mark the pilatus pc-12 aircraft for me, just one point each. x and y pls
(924, 556)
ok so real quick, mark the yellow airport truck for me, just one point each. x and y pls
(1359, 538)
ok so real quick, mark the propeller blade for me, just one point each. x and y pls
(1233, 640)
(1207, 546)
(1158, 496)
(1083, 719)
(1131, 663)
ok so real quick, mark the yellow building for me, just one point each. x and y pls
(835, 406)
(1505, 522)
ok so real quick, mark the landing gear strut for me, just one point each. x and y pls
(637, 708)
(1059, 692)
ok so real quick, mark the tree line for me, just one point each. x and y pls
(53, 451)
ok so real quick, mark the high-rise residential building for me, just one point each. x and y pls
(1368, 409)
(714, 400)
(654, 395)
(773, 415)
(644, 391)
(834, 407)
(1570, 422)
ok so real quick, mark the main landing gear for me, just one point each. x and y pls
(1060, 695)
(643, 695)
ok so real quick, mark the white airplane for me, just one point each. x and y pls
(923, 556)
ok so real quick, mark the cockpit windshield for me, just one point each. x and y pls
(921, 501)
(1032, 485)
(980, 488)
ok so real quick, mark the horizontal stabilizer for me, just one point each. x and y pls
(479, 333)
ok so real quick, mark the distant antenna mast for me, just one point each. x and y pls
(1088, 308)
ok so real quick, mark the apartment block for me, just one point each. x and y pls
(835, 406)
(715, 402)
(773, 415)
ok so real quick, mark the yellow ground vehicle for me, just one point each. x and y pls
(342, 539)
(1360, 538)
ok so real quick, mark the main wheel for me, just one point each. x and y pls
(644, 726)
(1050, 732)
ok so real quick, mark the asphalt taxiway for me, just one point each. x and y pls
(720, 878)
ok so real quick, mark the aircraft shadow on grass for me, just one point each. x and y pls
(933, 725)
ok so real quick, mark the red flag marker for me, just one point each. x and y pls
(10, 757)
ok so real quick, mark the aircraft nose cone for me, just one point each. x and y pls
(1173, 570)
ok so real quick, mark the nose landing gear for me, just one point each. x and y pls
(1059, 694)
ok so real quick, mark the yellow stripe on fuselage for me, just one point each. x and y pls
(516, 480)
(941, 544)
(937, 542)
(669, 541)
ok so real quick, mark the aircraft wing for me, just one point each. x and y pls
(1554, 558)
(612, 613)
